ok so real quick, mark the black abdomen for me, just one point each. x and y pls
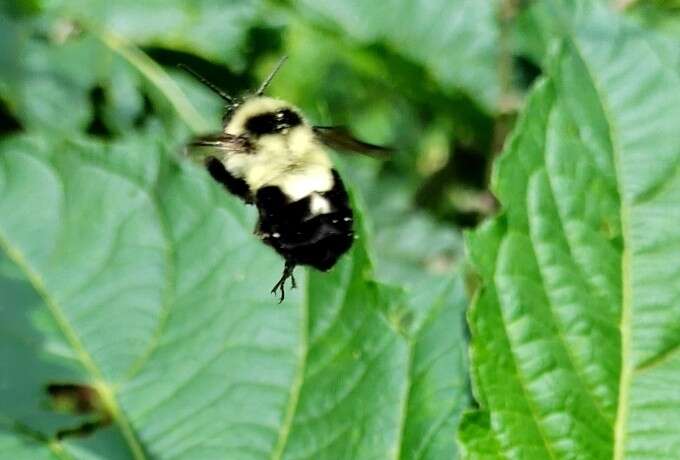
(300, 236)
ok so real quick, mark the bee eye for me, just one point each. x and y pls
(288, 117)
(272, 122)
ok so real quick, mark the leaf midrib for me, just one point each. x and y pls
(438, 305)
(626, 376)
(298, 381)
(105, 392)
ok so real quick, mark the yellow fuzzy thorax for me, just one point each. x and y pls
(293, 160)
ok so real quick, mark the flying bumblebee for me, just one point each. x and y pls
(269, 155)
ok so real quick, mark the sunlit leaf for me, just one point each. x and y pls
(133, 273)
(575, 330)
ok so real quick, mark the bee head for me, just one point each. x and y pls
(261, 115)
(281, 121)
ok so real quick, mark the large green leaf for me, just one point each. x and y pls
(576, 328)
(132, 272)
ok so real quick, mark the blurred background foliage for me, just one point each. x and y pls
(440, 80)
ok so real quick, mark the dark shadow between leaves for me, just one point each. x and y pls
(8, 123)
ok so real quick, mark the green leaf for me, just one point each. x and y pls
(132, 272)
(455, 40)
(575, 330)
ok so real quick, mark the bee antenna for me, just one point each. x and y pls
(219, 91)
(269, 78)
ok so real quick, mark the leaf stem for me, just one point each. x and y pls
(109, 399)
(509, 100)
(154, 73)
(626, 378)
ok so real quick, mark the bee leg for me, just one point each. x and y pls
(235, 185)
(281, 284)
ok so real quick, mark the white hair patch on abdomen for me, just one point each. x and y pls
(318, 204)
(299, 184)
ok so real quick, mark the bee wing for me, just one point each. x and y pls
(223, 141)
(339, 138)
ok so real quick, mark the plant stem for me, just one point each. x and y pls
(154, 73)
